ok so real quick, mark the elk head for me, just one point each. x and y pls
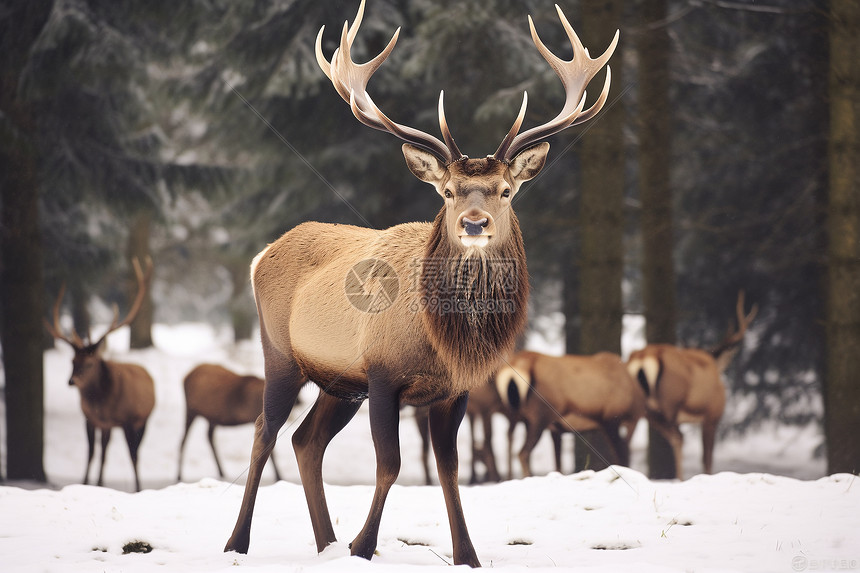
(86, 364)
(477, 192)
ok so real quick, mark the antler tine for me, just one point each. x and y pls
(350, 81)
(744, 320)
(575, 75)
(56, 330)
(142, 281)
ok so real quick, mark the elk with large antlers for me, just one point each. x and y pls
(417, 314)
(572, 394)
(223, 398)
(113, 394)
(684, 385)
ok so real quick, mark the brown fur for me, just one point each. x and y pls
(223, 398)
(577, 394)
(684, 385)
(415, 352)
(113, 394)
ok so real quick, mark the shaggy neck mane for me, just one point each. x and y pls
(474, 301)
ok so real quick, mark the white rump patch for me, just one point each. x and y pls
(475, 240)
(510, 374)
(649, 366)
(254, 264)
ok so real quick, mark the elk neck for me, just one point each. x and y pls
(474, 300)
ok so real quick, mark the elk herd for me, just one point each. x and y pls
(445, 346)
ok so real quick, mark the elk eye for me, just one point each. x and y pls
(506, 193)
(448, 194)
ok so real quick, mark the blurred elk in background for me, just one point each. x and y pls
(572, 394)
(684, 385)
(113, 394)
(483, 402)
(223, 398)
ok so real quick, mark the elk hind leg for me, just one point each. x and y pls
(327, 417)
(105, 441)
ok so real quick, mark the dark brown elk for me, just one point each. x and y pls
(684, 385)
(572, 394)
(417, 314)
(222, 398)
(113, 394)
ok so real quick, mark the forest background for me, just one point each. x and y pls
(726, 159)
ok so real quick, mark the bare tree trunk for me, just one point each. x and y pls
(21, 288)
(842, 387)
(601, 205)
(242, 309)
(138, 247)
(655, 141)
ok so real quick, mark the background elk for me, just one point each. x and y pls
(684, 385)
(223, 398)
(572, 394)
(113, 394)
(483, 402)
(443, 333)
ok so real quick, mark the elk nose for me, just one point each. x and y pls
(474, 226)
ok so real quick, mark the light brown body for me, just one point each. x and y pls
(223, 398)
(684, 385)
(575, 394)
(460, 304)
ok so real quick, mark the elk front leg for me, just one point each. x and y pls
(210, 435)
(280, 395)
(327, 417)
(189, 418)
(91, 450)
(384, 411)
(709, 433)
(445, 420)
(133, 437)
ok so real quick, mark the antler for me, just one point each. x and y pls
(142, 281)
(733, 338)
(575, 76)
(350, 81)
(56, 330)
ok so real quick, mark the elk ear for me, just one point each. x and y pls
(424, 165)
(528, 163)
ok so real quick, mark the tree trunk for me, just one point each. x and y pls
(601, 199)
(138, 247)
(242, 307)
(842, 387)
(655, 140)
(21, 292)
(21, 288)
(601, 203)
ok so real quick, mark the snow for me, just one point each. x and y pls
(614, 520)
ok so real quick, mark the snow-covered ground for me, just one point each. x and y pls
(743, 519)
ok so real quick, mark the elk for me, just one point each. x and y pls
(684, 385)
(572, 394)
(113, 394)
(442, 331)
(223, 398)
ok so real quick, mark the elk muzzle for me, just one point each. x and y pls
(475, 229)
